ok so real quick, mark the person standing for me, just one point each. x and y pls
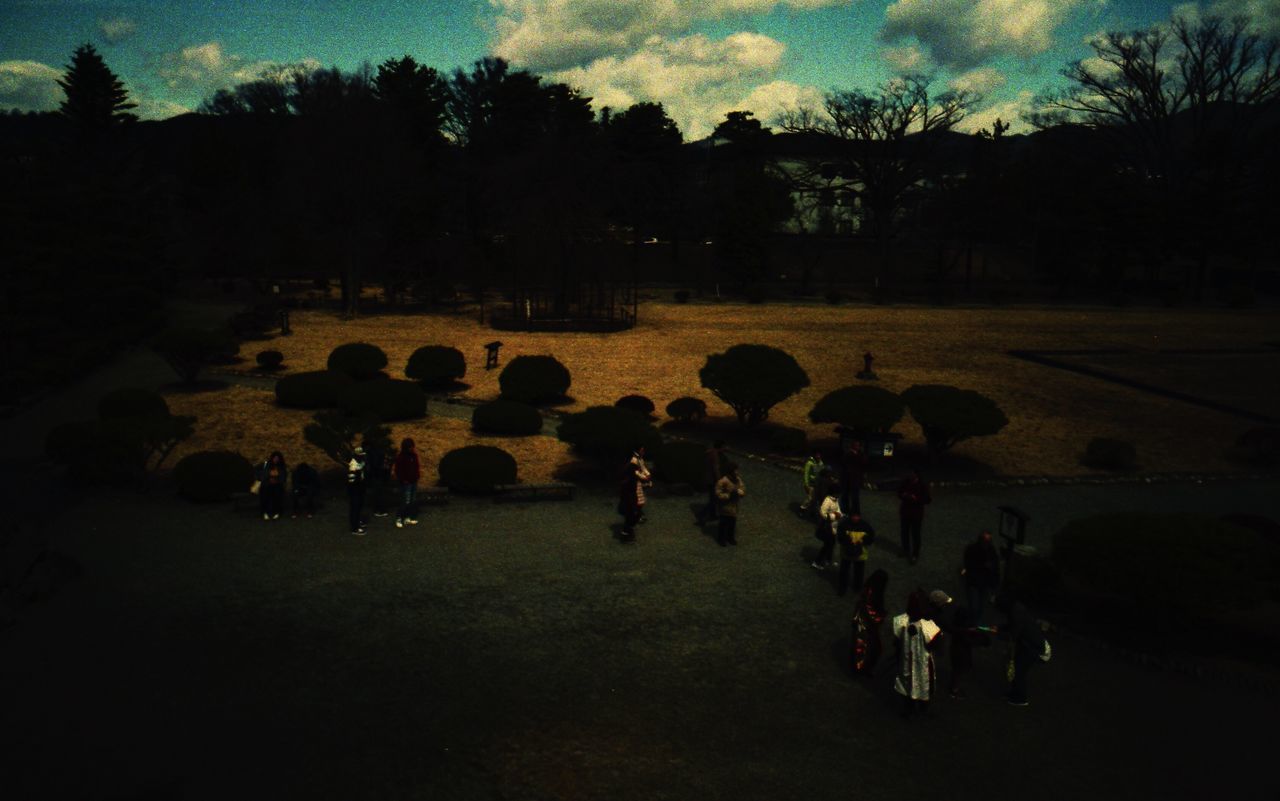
(813, 468)
(356, 490)
(868, 615)
(916, 635)
(305, 483)
(729, 491)
(643, 480)
(913, 495)
(961, 634)
(856, 536)
(853, 471)
(981, 573)
(379, 461)
(407, 470)
(1027, 644)
(829, 517)
(714, 468)
(274, 475)
(631, 495)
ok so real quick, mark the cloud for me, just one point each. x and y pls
(155, 108)
(29, 86)
(205, 68)
(117, 29)
(981, 81)
(1265, 14)
(1011, 111)
(963, 34)
(907, 58)
(697, 79)
(547, 35)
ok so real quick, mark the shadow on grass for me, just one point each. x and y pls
(194, 387)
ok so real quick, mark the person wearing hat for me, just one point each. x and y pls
(355, 490)
(959, 627)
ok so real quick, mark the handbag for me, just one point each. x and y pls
(255, 487)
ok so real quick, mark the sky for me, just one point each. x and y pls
(700, 58)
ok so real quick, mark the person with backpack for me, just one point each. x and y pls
(306, 482)
(356, 490)
(273, 475)
(407, 469)
(855, 536)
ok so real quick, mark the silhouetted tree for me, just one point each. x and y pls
(644, 170)
(884, 141)
(415, 95)
(96, 99)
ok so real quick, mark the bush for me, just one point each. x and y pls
(131, 402)
(188, 349)
(117, 450)
(388, 401)
(682, 463)
(1103, 453)
(534, 379)
(752, 379)
(786, 439)
(1257, 447)
(608, 433)
(636, 403)
(210, 476)
(477, 469)
(436, 366)
(948, 415)
(1152, 560)
(682, 296)
(865, 409)
(335, 434)
(507, 417)
(360, 360)
(270, 359)
(317, 389)
(686, 409)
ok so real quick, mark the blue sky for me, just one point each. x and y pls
(700, 58)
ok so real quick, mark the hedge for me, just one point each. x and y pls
(436, 366)
(270, 359)
(360, 360)
(534, 379)
(477, 469)
(388, 401)
(316, 389)
(863, 408)
(608, 433)
(636, 403)
(687, 409)
(507, 417)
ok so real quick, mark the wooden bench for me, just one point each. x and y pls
(552, 490)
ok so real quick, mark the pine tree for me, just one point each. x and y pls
(96, 98)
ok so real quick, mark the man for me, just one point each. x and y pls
(914, 496)
(407, 470)
(981, 573)
(355, 490)
(855, 538)
(714, 469)
(1027, 643)
(957, 624)
(813, 468)
(729, 489)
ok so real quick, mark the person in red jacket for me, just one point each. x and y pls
(914, 496)
(407, 470)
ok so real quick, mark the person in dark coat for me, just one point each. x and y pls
(981, 573)
(1027, 643)
(958, 627)
(729, 492)
(355, 490)
(306, 482)
(913, 495)
(868, 616)
(407, 469)
(713, 470)
(855, 536)
(274, 475)
(853, 471)
(631, 494)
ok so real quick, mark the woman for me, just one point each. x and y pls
(643, 480)
(631, 494)
(407, 470)
(729, 490)
(867, 617)
(274, 474)
(916, 635)
(829, 516)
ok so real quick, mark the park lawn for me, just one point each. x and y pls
(247, 420)
(1052, 413)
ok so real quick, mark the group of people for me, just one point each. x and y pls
(371, 475)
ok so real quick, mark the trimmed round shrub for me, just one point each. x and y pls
(316, 389)
(477, 469)
(1104, 453)
(360, 360)
(753, 379)
(1257, 447)
(210, 476)
(436, 365)
(865, 409)
(686, 409)
(786, 439)
(131, 402)
(388, 401)
(507, 417)
(534, 379)
(948, 415)
(682, 463)
(636, 403)
(270, 359)
(608, 433)
(1151, 559)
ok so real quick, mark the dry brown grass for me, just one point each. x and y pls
(1052, 413)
